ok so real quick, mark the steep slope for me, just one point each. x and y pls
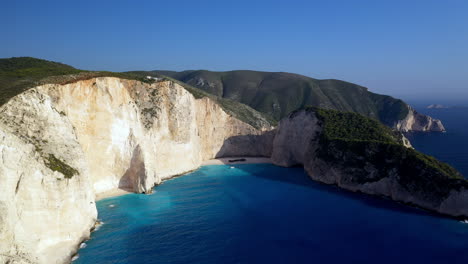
(74, 136)
(415, 121)
(21, 73)
(60, 145)
(279, 93)
(18, 74)
(360, 154)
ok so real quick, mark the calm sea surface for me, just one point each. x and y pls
(450, 147)
(266, 214)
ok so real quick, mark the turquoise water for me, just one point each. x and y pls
(266, 214)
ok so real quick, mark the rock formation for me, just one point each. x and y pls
(60, 145)
(279, 93)
(415, 121)
(400, 173)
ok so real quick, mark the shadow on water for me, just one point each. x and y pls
(159, 237)
(305, 181)
(256, 146)
(222, 232)
(233, 233)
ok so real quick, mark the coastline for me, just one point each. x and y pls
(225, 161)
(111, 193)
(217, 161)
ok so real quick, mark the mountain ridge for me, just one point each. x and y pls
(18, 74)
(273, 94)
(278, 93)
(83, 134)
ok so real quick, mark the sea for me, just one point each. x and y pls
(260, 213)
(451, 146)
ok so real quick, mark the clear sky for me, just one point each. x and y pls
(405, 48)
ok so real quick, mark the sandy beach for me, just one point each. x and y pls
(111, 193)
(220, 161)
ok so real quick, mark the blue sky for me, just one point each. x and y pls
(409, 49)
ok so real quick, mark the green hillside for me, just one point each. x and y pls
(279, 93)
(21, 73)
(18, 74)
(359, 144)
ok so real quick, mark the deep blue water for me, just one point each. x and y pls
(450, 147)
(266, 214)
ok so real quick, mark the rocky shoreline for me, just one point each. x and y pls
(65, 146)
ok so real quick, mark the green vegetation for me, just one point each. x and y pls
(353, 127)
(368, 151)
(234, 108)
(277, 93)
(354, 140)
(56, 164)
(273, 94)
(19, 74)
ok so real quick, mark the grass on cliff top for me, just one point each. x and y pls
(19, 74)
(279, 93)
(351, 126)
(432, 162)
(238, 110)
(355, 133)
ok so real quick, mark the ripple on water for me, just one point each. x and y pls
(259, 213)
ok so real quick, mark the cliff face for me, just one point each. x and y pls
(415, 121)
(279, 93)
(378, 169)
(61, 145)
(44, 215)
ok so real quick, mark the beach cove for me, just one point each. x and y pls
(262, 213)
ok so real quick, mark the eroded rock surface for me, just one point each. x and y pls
(61, 145)
(415, 121)
(410, 181)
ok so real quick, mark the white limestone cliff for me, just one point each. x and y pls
(415, 121)
(297, 141)
(43, 215)
(60, 145)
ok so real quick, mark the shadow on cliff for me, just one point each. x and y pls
(253, 146)
(135, 175)
(247, 146)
